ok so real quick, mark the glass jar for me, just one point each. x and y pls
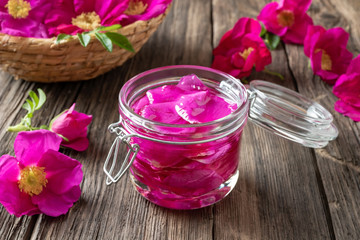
(195, 165)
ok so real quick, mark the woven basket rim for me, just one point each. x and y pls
(44, 60)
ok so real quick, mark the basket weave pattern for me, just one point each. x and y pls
(41, 60)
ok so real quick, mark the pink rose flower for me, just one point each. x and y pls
(24, 18)
(39, 179)
(75, 16)
(240, 49)
(347, 88)
(143, 10)
(327, 52)
(287, 19)
(73, 126)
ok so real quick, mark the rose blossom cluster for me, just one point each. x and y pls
(49, 18)
(242, 48)
(40, 179)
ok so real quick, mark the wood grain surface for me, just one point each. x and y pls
(285, 190)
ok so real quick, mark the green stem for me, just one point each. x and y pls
(274, 74)
(18, 128)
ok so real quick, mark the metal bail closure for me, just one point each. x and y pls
(122, 137)
(290, 114)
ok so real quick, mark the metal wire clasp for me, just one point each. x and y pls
(122, 137)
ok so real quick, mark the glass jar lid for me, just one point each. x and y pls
(290, 114)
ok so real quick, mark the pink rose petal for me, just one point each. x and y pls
(62, 172)
(30, 146)
(73, 126)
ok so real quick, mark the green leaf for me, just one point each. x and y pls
(109, 28)
(27, 106)
(84, 38)
(105, 41)
(62, 36)
(31, 104)
(34, 98)
(263, 30)
(120, 40)
(272, 40)
(34, 102)
(42, 98)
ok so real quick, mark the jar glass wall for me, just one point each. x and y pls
(184, 166)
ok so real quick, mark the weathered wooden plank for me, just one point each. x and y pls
(10, 103)
(117, 211)
(277, 196)
(338, 163)
(285, 191)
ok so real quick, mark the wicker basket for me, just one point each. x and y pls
(41, 60)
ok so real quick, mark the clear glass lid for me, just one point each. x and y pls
(290, 114)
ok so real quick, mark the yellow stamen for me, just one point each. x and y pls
(87, 21)
(136, 7)
(18, 8)
(32, 180)
(245, 54)
(286, 18)
(326, 63)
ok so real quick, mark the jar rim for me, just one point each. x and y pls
(241, 110)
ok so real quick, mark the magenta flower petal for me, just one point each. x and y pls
(84, 5)
(244, 26)
(190, 83)
(162, 112)
(347, 88)
(59, 19)
(268, 16)
(40, 179)
(62, 172)
(11, 198)
(57, 204)
(30, 26)
(240, 49)
(296, 34)
(262, 56)
(109, 10)
(193, 182)
(224, 64)
(16, 202)
(79, 144)
(313, 34)
(154, 8)
(9, 169)
(23, 27)
(327, 52)
(327, 76)
(301, 5)
(30, 146)
(353, 66)
(167, 93)
(201, 106)
(73, 126)
(287, 19)
(348, 110)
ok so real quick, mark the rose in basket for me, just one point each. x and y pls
(41, 40)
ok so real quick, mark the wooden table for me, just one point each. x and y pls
(285, 190)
